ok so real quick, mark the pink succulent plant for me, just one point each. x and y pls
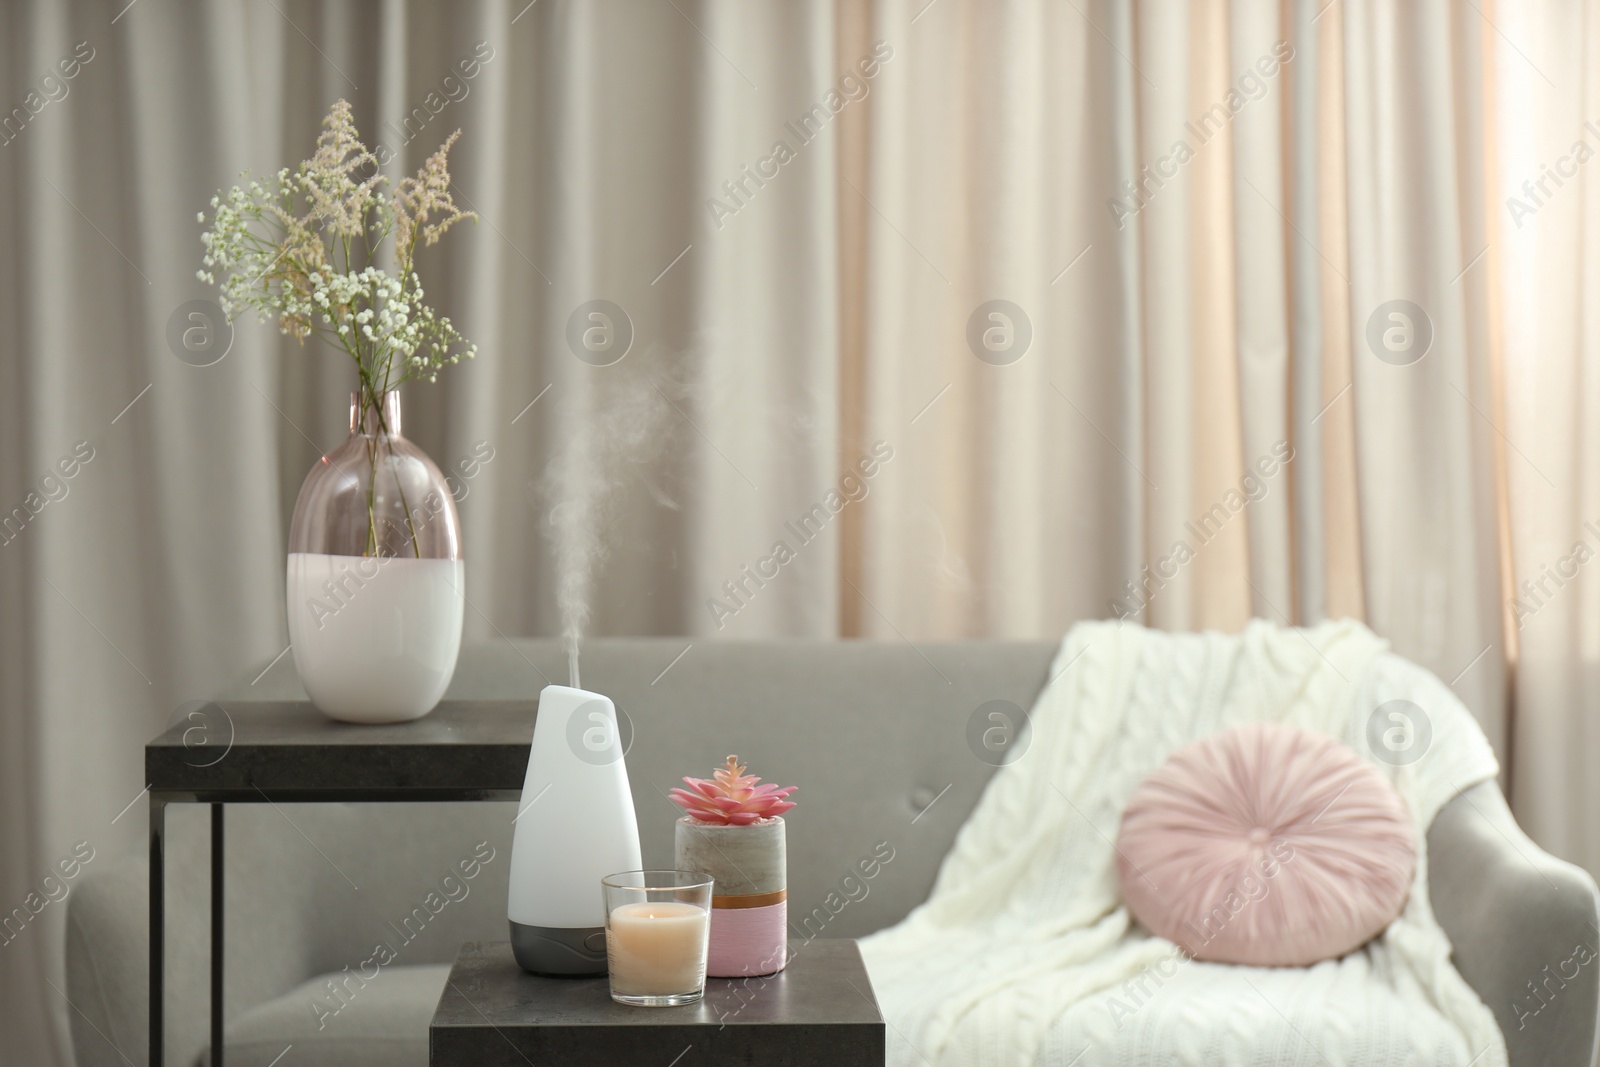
(732, 798)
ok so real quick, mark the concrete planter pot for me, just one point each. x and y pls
(750, 902)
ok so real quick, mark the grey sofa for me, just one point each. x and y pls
(874, 735)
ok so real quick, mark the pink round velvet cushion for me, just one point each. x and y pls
(1266, 845)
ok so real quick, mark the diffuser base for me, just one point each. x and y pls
(560, 951)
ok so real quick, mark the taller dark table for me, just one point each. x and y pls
(288, 752)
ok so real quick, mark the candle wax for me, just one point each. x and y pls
(656, 949)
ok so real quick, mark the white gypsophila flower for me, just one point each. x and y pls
(286, 246)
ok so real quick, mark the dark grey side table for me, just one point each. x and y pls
(819, 1010)
(268, 752)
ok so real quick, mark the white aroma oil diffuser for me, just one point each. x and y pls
(575, 825)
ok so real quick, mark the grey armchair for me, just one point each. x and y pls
(874, 736)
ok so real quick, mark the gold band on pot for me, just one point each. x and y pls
(751, 900)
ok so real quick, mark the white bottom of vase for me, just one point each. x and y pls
(374, 640)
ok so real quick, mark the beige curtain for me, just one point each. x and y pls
(1292, 168)
(1546, 254)
(1042, 311)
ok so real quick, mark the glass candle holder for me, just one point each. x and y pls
(657, 927)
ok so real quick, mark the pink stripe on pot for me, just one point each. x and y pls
(748, 941)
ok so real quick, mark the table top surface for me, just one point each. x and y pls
(824, 984)
(285, 750)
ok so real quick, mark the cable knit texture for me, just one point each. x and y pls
(1025, 953)
(1266, 844)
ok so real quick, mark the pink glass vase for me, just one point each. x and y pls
(375, 574)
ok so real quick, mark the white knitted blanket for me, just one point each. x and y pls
(1024, 953)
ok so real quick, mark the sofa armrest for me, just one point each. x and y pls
(1522, 925)
(108, 974)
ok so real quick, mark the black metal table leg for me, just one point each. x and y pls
(216, 934)
(158, 905)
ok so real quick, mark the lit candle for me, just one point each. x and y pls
(656, 949)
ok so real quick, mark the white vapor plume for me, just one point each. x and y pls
(624, 427)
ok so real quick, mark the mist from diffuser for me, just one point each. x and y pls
(575, 825)
(620, 431)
